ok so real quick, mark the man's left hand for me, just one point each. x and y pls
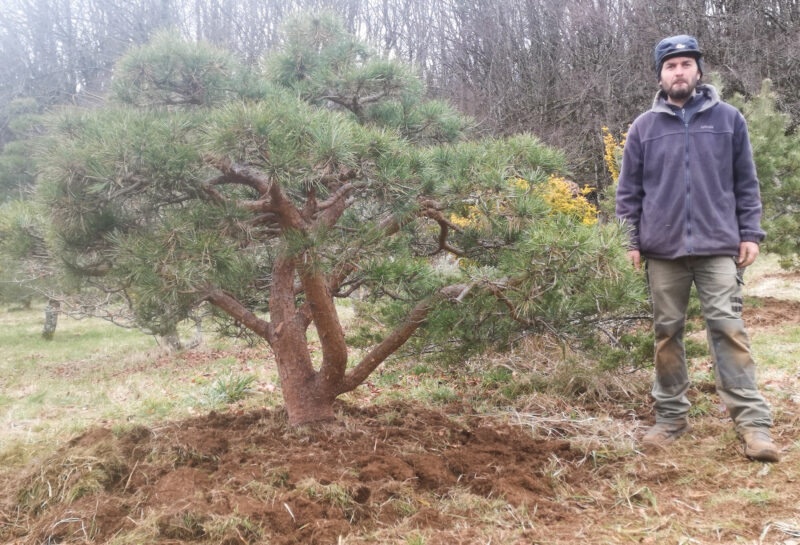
(748, 252)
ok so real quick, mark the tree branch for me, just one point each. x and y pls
(395, 339)
(234, 308)
(288, 214)
(326, 320)
(238, 174)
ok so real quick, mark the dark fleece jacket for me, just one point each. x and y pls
(689, 188)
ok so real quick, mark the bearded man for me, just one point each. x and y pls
(689, 193)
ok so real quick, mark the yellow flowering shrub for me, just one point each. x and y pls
(613, 152)
(565, 198)
(473, 217)
(520, 183)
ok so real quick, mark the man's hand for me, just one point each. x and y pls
(636, 258)
(748, 252)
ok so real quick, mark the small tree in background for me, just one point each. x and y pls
(776, 152)
(17, 171)
(268, 196)
(20, 240)
(20, 232)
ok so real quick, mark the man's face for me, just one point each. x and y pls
(679, 77)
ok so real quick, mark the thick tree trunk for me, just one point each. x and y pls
(308, 398)
(51, 318)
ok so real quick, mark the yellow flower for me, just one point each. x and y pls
(612, 154)
(564, 198)
(520, 183)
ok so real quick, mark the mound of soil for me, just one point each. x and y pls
(246, 478)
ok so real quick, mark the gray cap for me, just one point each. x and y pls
(677, 46)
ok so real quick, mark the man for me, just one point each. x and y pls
(688, 191)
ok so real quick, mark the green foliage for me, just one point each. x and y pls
(23, 267)
(157, 197)
(323, 64)
(633, 349)
(559, 275)
(776, 150)
(230, 388)
(169, 71)
(17, 170)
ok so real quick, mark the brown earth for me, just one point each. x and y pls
(770, 312)
(284, 486)
(388, 473)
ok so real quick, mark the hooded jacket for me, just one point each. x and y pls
(689, 188)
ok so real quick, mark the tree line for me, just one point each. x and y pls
(561, 70)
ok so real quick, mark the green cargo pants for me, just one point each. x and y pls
(719, 287)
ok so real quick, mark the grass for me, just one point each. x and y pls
(702, 491)
(765, 278)
(94, 373)
(778, 349)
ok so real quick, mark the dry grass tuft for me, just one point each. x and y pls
(66, 479)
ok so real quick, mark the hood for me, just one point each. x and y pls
(708, 91)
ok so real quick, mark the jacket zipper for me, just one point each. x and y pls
(687, 179)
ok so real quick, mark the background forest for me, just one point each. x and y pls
(561, 70)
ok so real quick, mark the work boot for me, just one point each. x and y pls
(759, 446)
(664, 433)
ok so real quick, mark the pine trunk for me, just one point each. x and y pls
(307, 403)
(308, 399)
(51, 318)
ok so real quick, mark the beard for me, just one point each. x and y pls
(682, 92)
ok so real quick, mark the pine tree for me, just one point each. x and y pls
(776, 152)
(271, 195)
(20, 233)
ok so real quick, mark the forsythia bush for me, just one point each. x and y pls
(557, 192)
(613, 152)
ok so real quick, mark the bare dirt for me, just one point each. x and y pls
(293, 486)
(391, 473)
(400, 473)
(771, 312)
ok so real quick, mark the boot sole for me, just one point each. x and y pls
(763, 455)
(668, 440)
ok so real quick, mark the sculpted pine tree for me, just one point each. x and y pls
(269, 195)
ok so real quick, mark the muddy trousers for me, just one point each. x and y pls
(719, 288)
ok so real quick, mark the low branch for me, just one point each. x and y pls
(270, 218)
(138, 183)
(333, 181)
(237, 174)
(340, 193)
(444, 230)
(394, 340)
(310, 207)
(497, 292)
(288, 214)
(374, 98)
(259, 206)
(214, 194)
(351, 288)
(234, 308)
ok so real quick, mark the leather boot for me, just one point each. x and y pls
(758, 445)
(664, 433)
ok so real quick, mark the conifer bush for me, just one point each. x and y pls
(269, 195)
(776, 151)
